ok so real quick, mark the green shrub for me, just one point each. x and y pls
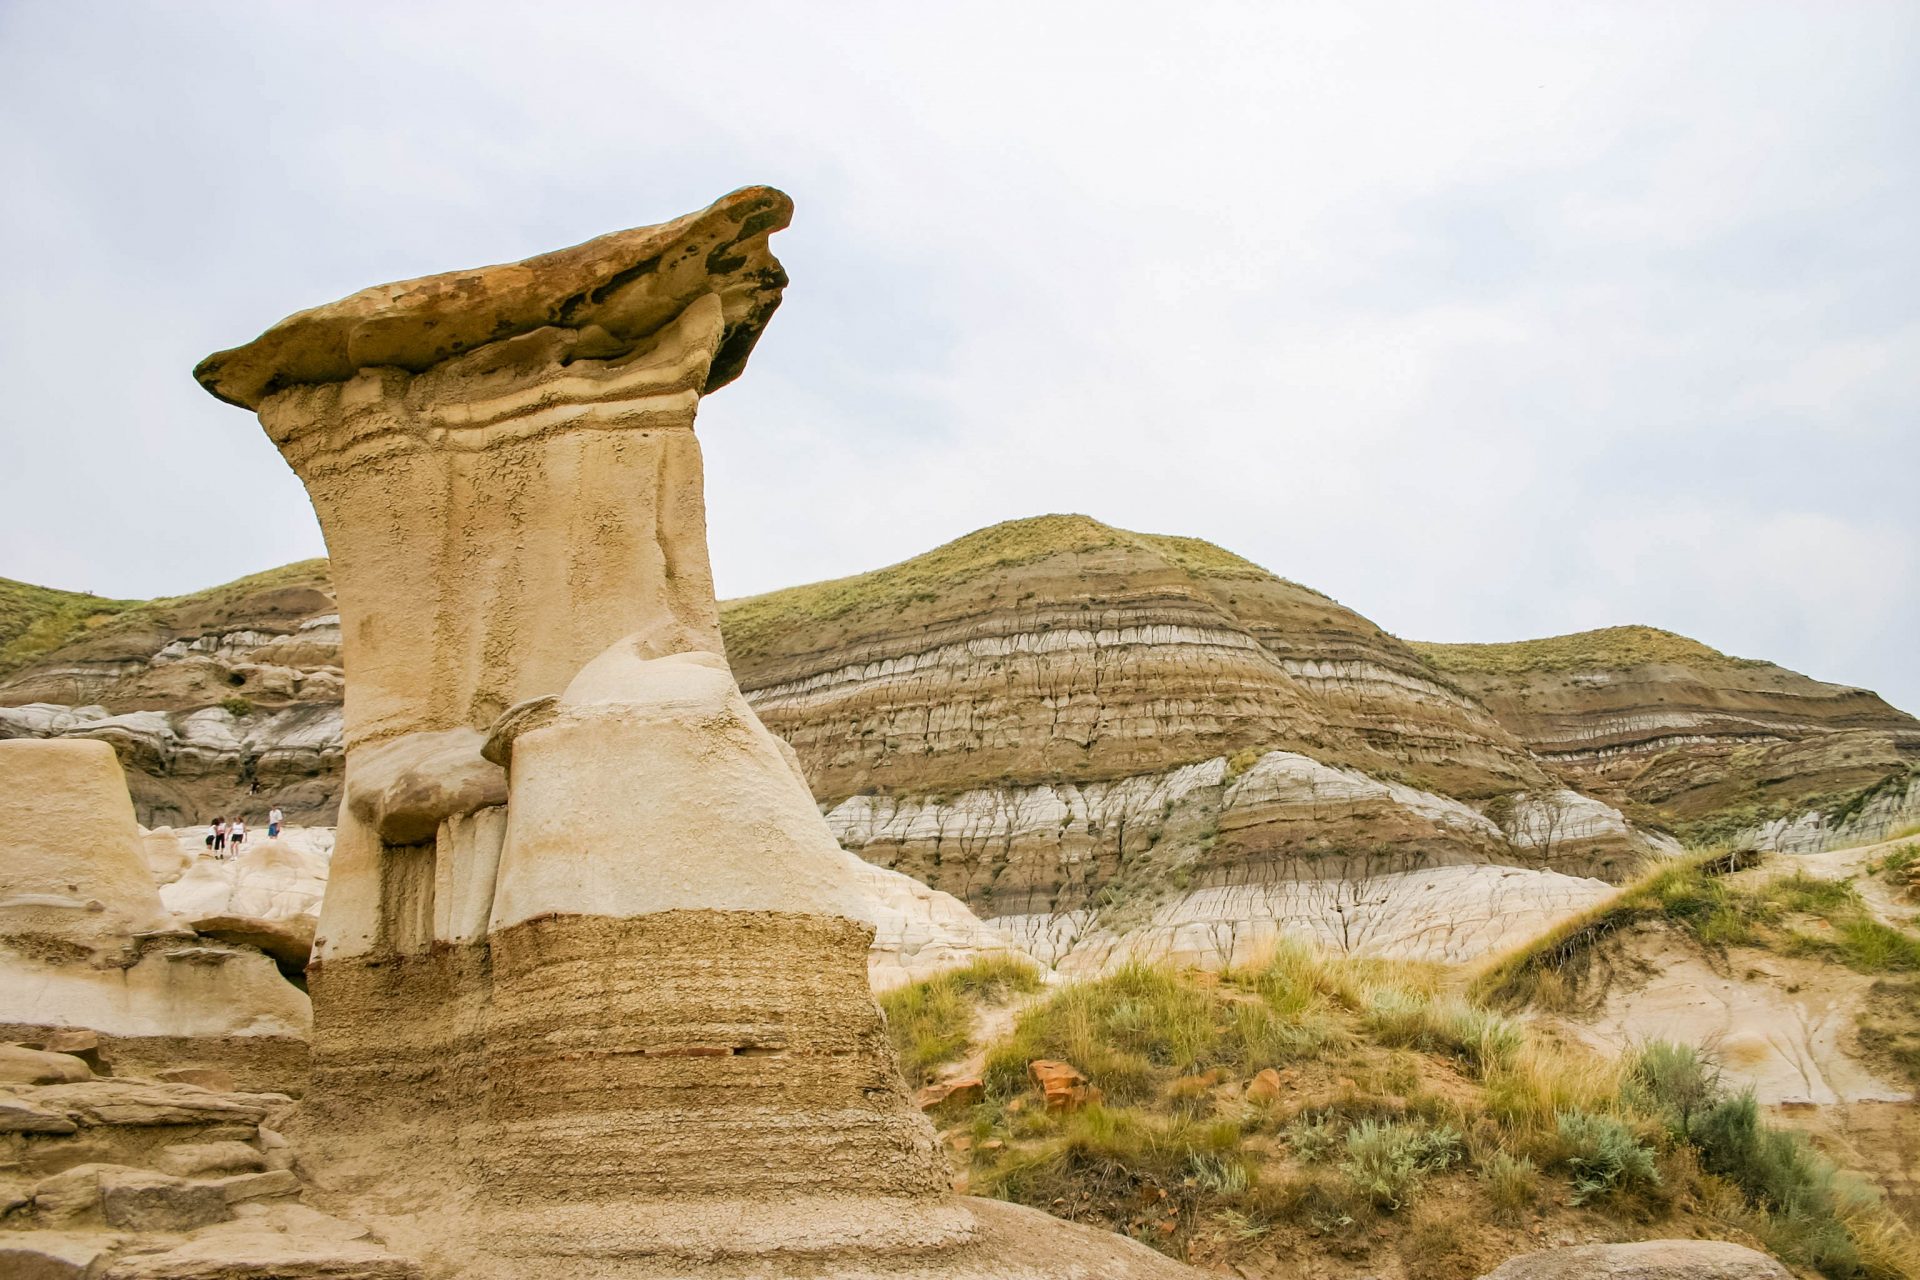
(236, 706)
(1386, 1161)
(1603, 1155)
(1313, 1140)
(1673, 1081)
(1805, 1200)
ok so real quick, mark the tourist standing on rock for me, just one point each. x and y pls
(237, 836)
(214, 836)
(218, 840)
(273, 823)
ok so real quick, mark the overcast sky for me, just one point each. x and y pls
(1490, 321)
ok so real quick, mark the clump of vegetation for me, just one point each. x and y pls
(1795, 914)
(931, 1023)
(1607, 649)
(236, 706)
(1139, 1028)
(1603, 1155)
(1674, 1081)
(1386, 1161)
(1512, 1182)
(1803, 1207)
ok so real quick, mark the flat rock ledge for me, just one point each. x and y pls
(1647, 1260)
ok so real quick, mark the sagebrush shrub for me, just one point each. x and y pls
(1603, 1155)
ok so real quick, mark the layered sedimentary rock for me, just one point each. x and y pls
(1684, 735)
(1081, 731)
(223, 702)
(1058, 647)
(86, 943)
(619, 1024)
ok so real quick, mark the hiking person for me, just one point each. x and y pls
(273, 823)
(237, 836)
(213, 833)
(219, 837)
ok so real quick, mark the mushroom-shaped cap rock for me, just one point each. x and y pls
(627, 284)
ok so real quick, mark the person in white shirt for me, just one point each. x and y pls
(273, 823)
(236, 835)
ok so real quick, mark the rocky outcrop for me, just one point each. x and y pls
(87, 944)
(1683, 735)
(265, 896)
(624, 1016)
(145, 1178)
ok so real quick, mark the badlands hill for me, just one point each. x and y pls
(225, 698)
(1681, 734)
(1053, 716)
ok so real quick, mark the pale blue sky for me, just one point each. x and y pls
(1491, 321)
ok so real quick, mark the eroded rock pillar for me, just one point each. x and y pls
(590, 992)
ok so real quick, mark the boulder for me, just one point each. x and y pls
(964, 1092)
(72, 1193)
(1267, 1085)
(1647, 1260)
(142, 1200)
(17, 1115)
(48, 1255)
(81, 1043)
(21, 1065)
(1064, 1087)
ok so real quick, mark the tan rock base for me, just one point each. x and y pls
(684, 1093)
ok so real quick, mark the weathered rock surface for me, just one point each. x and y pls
(149, 1178)
(21, 1065)
(266, 896)
(47, 1255)
(1646, 1260)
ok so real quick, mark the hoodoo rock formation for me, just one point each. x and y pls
(591, 967)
